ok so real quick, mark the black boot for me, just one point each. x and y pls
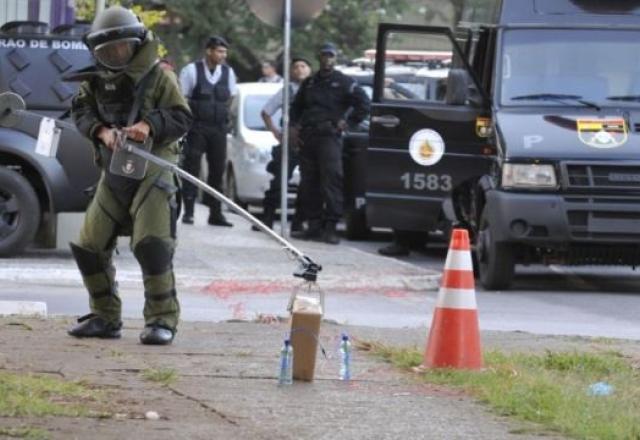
(156, 334)
(267, 218)
(93, 326)
(330, 235)
(187, 217)
(217, 219)
(296, 224)
(313, 232)
(395, 249)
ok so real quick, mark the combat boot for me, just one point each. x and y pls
(217, 219)
(313, 232)
(268, 217)
(187, 217)
(156, 334)
(330, 235)
(93, 326)
(296, 224)
(395, 249)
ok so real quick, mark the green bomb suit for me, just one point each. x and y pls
(144, 209)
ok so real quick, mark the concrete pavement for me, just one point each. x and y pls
(226, 387)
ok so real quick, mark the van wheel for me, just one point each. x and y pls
(356, 224)
(231, 189)
(495, 261)
(19, 212)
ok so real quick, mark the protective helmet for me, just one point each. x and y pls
(114, 37)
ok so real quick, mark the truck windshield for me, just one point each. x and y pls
(564, 67)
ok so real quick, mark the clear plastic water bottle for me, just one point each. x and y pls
(345, 358)
(286, 364)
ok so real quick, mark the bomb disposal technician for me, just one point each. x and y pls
(127, 78)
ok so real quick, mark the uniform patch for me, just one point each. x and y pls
(426, 147)
(603, 133)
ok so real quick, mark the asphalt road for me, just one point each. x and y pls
(238, 274)
(594, 300)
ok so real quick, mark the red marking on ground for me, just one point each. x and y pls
(395, 293)
(224, 289)
(237, 311)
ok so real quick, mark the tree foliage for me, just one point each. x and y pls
(86, 10)
(350, 24)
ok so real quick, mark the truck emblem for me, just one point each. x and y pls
(483, 127)
(602, 133)
(426, 147)
(110, 87)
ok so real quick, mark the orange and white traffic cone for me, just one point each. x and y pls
(454, 338)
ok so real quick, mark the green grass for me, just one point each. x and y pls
(31, 395)
(164, 376)
(25, 433)
(550, 389)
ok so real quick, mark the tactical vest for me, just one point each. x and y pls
(208, 101)
(114, 99)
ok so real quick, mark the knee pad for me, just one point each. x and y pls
(154, 255)
(89, 262)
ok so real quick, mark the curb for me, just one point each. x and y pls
(23, 308)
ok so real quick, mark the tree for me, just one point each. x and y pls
(86, 10)
(350, 24)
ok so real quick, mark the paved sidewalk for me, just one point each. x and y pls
(226, 387)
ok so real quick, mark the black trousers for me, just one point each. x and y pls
(211, 141)
(272, 194)
(322, 177)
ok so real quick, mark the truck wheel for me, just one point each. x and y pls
(356, 224)
(19, 212)
(496, 261)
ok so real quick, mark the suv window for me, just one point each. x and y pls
(417, 67)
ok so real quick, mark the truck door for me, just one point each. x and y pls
(428, 134)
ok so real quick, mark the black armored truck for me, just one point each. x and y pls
(45, 164)
(532, 143)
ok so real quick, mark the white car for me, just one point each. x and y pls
(249, 146)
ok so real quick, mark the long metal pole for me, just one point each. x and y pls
(284, 168)
(310, 267)
(99, 6)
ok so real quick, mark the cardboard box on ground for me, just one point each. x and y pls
(306, 315)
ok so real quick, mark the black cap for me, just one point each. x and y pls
(300, 59)
(216, 41)
(329, 48)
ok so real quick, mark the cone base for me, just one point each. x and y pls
(454, 340)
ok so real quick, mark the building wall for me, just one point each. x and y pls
(54, 12)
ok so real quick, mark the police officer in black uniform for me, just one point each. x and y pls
(209, 85)
(318, 116)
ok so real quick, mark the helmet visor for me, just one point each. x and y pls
(115, 55)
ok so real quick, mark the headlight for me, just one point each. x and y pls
(528, 176)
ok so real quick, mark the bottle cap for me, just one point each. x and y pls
(287, 342)
(345, 337)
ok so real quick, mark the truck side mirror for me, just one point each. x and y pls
(461, 89)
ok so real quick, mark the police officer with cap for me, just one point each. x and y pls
(208, 84)
(300, 70)
(326, 102)
(128, 94)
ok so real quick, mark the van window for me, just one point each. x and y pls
(593, 65)
(417, 67)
